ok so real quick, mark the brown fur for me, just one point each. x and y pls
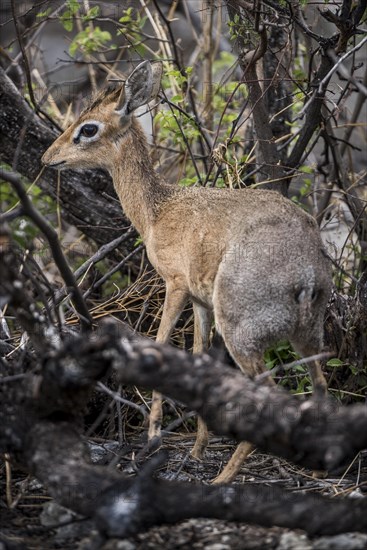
(251, 257)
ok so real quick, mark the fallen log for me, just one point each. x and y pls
(39, 425)
(123, 506)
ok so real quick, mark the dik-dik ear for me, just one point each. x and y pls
(140, 87)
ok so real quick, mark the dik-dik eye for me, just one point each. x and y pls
(88, 130)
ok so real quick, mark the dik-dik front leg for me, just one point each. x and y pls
(174, 303)
(203, 318)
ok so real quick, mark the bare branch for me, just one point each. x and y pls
(104, 251)
(58, 256)
(27, 69)
(338, 66)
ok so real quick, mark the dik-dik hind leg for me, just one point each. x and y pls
(252, 366)
(174, 303)
(202, 324)
(319, 384)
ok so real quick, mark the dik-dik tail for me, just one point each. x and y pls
(311, 299)
(306, 295)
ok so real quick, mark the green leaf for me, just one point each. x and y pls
(126, 18)
(66, 20)
(335, 362)
(44, 13)
(140, 49)
(92, 14)
(73, 48)
(103, 36)
(306, 169)
(73, 6)
(177, 98)
(187, 182)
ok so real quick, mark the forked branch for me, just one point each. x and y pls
(271, 175)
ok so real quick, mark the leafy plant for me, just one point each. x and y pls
(89, 41)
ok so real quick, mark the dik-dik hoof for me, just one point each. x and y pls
(223, 477)
(197, 452)
(319, 474)
(154, 443)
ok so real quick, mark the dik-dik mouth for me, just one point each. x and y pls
(56, 164)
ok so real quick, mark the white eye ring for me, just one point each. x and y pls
(78, 132)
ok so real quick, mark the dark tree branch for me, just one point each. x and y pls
(122, 506)
(270, 172)
(50, 448)
(358, 11)
(311, 433)
(53, 241)
(313, 116)
(27, 68)
(317, 434)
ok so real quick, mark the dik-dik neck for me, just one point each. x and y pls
(137, 184)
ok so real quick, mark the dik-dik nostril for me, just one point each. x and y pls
(46, 157)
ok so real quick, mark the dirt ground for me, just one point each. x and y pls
(35, 519)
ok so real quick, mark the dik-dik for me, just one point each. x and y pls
(250, 257)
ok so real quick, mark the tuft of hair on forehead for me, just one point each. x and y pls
(108, 94)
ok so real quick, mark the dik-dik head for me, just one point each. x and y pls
(92, 140)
